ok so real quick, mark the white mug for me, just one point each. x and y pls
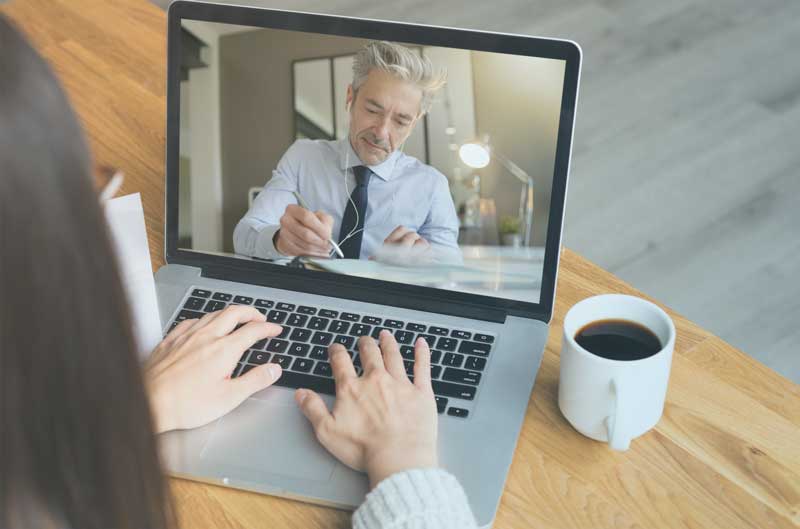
(614, 400)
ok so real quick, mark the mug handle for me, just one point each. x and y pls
(619, 437)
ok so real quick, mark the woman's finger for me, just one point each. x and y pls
(233, 315)
(341, 364)
(370, 354)
(391, 356)
(422, 365)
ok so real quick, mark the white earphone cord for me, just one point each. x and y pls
(354, 231)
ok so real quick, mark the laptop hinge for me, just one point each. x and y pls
(333, 288)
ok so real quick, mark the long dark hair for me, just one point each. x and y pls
(76, 436)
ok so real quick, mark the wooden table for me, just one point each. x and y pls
(726, 453)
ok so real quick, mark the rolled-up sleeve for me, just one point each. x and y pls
(441, 225)
(253, 235)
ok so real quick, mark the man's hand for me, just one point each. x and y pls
(402, 236)
(304, 232)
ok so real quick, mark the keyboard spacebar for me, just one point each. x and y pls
(290, 379)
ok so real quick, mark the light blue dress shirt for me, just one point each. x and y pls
(402, 192)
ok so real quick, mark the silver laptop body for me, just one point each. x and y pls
(266, 445)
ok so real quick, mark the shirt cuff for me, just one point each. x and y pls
(424, 498)
(265, 247)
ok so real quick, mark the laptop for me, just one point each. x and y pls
(257, 111)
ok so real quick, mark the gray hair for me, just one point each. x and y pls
(402, 63)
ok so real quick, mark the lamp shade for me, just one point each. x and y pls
(474, 155)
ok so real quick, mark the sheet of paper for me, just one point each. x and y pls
(125, 218)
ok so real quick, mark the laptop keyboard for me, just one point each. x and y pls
(458, 356)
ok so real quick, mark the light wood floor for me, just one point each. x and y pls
(686, 167)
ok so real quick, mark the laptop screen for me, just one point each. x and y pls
(415, 164)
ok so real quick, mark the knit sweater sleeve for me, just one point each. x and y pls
(416, 499)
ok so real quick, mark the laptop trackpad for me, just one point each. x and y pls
(270, 437)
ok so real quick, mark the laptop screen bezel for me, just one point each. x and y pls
(350, 287)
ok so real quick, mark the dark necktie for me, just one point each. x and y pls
(351, 248)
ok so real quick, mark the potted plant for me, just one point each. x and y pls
(509, 231)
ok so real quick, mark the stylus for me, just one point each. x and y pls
(330, 240)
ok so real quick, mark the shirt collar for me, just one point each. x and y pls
(384, 170)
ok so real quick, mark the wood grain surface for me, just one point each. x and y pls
(726, 453)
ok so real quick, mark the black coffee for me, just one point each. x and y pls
(618, 340)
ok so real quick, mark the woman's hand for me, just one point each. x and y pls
(188, 374)
(381, 422)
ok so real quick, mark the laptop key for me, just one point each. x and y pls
(376, 332)
(319, 353)
(464, 335)
(277, 346)
(258, 357)
(404, 336)
(285, 306)
(441, 402)
(475, 362)
(299, 349)
(300, 335)
(474, 348)
(318, 324)
(200, 293)
(409, 365)
(429, 338)
(461, 376)
(407, 352)
(457, 412)
(245, 368)
(260, 344)
(359, 329)
(262, 310)
(446, 344)
(323, 369)
(326, 313)
(213, 306)
(452, 360)
(349, 316)
(243, 359)
(292, 379)
(436, 356)
(222, 296)
(395, 324)
(449, 389)
(285, 330)
(346, 341)
(322, 338)
(435, 372)
(416, 327)
(243, 300)
(485, 338)
(194, 304)
(303, 364)
(172, 326)
(441, 331)
(296, 320)
(339, 327)
(304, 309)
(264, 303)
(235, 372)
(372, 320)
(283, 361)
(188, 315)
(357, 361)
(276, 316)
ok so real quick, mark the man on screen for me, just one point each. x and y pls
(363, 191)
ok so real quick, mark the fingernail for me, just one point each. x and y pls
(301, 395)
(274, 371)
(421, 341)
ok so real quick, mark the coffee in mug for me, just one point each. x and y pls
(615, 361)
